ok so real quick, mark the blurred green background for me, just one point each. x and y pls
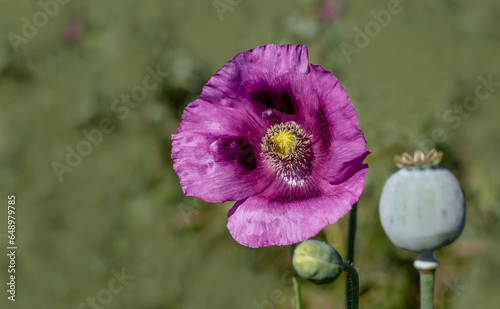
(119, 208)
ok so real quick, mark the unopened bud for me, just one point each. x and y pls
(317, 262)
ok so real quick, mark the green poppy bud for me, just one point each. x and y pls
(317, 262)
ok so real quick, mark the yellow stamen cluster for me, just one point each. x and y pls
(283, 141)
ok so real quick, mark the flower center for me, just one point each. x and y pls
(287, 149)
(283, 141)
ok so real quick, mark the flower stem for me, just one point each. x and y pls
(296, 284)
(426, 289)
(296, 291)
(352, 233)
(426, 265)
(350, 254)
(353, 293)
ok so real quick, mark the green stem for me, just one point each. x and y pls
(353, 294)
(296, 291)
(296, 284)
(426, 289)
(352, 233)
(350, 253)
(426, 265)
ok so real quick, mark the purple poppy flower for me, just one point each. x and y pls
(280, 137)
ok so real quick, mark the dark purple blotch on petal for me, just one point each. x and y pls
(230, 149)
(247, 158)
(279, 98)
(324, 130)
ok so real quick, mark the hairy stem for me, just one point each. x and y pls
(353, 293)
(350, 253)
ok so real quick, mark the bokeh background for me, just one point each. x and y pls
(119, 208)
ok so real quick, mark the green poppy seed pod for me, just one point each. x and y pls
(317, 262)
(422, 207)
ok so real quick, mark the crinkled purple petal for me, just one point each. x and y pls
(259, 221)
(205, 117)
(339, 128)
(262, 81)
(216, 153)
